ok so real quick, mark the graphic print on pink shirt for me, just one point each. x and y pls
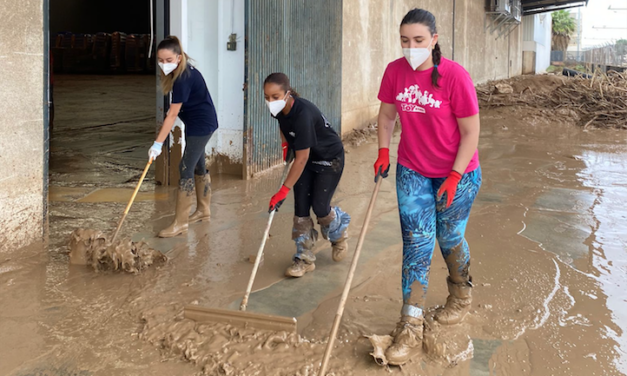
(430, 134)
(413, 95)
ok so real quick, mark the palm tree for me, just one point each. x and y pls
(563, 26)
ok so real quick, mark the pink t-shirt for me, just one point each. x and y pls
(430, 134)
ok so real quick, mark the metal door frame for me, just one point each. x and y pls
(46, 117)
(163, 171)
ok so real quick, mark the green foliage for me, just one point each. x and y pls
(563, 23)
(563, 26)
(621, 46)
(553, 69)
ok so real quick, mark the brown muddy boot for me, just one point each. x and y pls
(203, 199)
(305, 236)
(407, 339)
(334, 228)
(457, 303)
(184, 200)
(299, 268)
(340, 248)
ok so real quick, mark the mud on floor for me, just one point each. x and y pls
(548, 261)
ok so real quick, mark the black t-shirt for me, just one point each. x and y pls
(198, 112)
(306, 127)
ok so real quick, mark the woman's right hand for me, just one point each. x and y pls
(382, 165)
(155, 150)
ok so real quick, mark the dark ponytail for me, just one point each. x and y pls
(426, 18)
(282, 80)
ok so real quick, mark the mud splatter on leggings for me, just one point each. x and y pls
(423, 220)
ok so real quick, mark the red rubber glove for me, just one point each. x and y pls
(284, 146)
(382, 165)
(278, 198)
(449, 187)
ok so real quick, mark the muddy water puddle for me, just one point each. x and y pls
(549, 263)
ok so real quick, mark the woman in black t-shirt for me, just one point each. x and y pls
(315, 174)
(192, 103)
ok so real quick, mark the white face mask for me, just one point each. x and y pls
(168, 68)
(277, 106)
(417, 56)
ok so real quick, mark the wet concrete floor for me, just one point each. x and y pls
(102, 128)
(549, 262)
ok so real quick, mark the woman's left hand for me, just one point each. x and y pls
(278, 198)
(449, 187)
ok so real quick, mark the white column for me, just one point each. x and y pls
(231, 81)
(179, 28)
(178, 21)
(209, 25)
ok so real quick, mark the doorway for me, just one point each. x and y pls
(103, 91)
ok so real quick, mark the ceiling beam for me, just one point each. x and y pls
(546, 10)
(538, 3)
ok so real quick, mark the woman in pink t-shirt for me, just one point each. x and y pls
(437, 176)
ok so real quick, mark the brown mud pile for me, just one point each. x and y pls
(599, 102)
(90, 247)
(361, 136)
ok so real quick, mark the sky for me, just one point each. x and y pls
(601, 25)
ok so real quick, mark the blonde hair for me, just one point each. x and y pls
(173, 44)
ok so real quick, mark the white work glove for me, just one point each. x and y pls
(155, 150)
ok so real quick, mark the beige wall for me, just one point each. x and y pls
(529, 62)
(370, 42)
(21, 124)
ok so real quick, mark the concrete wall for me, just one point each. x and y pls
(529, 62)
(481, 53)
(21, 124)
(536, 43)
(204, 28)
(371, 41)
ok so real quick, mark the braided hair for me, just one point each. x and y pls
(426, 18)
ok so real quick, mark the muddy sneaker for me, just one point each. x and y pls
(407, 340)
(340, 249)
(299, 268)
(457, 303)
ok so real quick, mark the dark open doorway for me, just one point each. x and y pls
(103, 90)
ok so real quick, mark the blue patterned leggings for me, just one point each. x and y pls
(423, 220)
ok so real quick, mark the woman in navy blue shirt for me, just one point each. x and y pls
(192, 103)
